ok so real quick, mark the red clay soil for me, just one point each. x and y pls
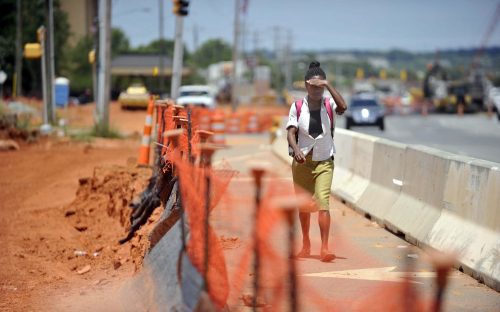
(63, 208)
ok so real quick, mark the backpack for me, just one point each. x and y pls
(298, 107)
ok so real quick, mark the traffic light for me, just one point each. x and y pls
(181, 7)
(92, 56)
(32, 50)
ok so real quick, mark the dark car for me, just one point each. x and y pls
(365, 110)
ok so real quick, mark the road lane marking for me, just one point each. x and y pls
(385, 274)
(397, 182)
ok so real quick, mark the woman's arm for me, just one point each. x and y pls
(291, 137)
(341, 106)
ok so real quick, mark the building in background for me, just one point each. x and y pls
(81, 14)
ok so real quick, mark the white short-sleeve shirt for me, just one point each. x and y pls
(323, 145)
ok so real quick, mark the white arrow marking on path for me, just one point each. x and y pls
(374, 274)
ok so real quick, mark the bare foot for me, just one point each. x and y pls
(326, 256)
(304, 253)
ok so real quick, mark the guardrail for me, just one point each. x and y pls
(436, 199)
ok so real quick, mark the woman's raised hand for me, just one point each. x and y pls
(317, 82)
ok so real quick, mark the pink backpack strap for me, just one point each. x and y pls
(298, 107)
(329, 110)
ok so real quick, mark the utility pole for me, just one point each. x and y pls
(234, 95)
(288, 61)
(162, 48)
(103, 66)
(18, 78)
(42, 38)
(243, 37)
(277, 53)
(95, 37)
(255, 42)
(196, 30)
(178, 54)
(49, 58)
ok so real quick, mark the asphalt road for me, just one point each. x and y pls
(367, 270)
(471, 135)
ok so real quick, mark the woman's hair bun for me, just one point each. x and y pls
(314, 64)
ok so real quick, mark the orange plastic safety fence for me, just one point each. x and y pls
(168, 125)
(194, 183)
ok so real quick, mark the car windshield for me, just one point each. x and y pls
(194, 93)
(364, 103)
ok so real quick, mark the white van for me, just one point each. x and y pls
(197, 95)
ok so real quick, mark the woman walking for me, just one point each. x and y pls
(310, 126)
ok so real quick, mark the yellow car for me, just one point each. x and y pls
(136, 96)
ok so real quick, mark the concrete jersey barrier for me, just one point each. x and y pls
(469, 224)
(386, 179)
(421, 199)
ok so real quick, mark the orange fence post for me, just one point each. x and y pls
(146, 136)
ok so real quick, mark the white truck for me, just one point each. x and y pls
(197, 95)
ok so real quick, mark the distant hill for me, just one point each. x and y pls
(455, 61)
(490, 57)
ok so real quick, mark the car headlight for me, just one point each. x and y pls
(365, 113)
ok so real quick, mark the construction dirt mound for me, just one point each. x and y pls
(101, 201)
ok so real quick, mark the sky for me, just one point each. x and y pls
(413, 25)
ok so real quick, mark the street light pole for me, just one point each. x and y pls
(49, 58)
(18, 80)
(162, 48)
(234, 89)
(103, 66)
(177, 62)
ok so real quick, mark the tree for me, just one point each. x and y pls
(154, 48)
(77, 67)
(119, 42)
(33, 16)
(210, 52)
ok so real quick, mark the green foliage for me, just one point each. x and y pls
(155, 47)
(110, 132)
(23, 122)
(32, 16)
(210, 52)
(85, 136)
(119, 42)
(78, 69)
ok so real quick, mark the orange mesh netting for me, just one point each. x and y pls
(166, 123)
(193, 185)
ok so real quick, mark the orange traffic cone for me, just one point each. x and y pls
(146, 136)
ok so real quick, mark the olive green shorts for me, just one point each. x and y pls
(315, 177)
